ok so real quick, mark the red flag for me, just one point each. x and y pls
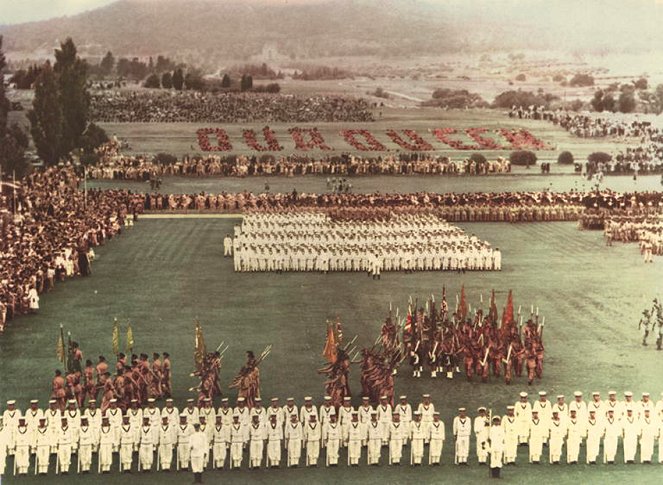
(462, 306)
(507, 315)
(330, 350)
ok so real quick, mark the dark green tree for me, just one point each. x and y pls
(71, 73)
(13, 141)
(178, 79)
(107, 64)
(225, 82)
(626, 102)
(167, 80)
(46, 118)
(152, 81)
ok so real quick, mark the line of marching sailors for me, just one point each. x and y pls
(285, 433)
(315, 242)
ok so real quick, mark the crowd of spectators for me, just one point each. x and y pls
(586, 126)
(143, 167)
(48, 228)
(123, 106)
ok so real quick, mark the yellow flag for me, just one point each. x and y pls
(130, 339)
(199, 346)
(116, 337)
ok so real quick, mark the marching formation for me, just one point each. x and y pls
(204, 437)
(645, 230)
(652, 322)
(310, 241)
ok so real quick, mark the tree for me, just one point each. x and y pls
(152, 81)
(13, 140)
(71, 76)
(626, 102)
(107, 64)
(582, 80)
(523, 157)
(641, 83)
(565, 158)
(194, 80)
(178, 79)
(599, 157)
(46, 118)
(225, 82)
(602, 101)
(93, 138)
(521, 77)
(167, 80)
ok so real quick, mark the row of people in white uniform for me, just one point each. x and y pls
(315, 242)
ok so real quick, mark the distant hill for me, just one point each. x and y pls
(237, 29)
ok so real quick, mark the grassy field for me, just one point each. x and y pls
(180, 138)
(517, 181)
(162, 274)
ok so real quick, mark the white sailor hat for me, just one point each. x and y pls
(596, 393)
(113, 400)
(417, 413)
(645, 394)
(402, 397)
(543, 393)
(374, 413)
(308, 398)
(171, 400)
(628, 394)
(461, 409)
(523, 394)
(71, 401)
(481, 408)
(52, 401)
(383, 397)
(241, 399)
(189, 400)
(629, 410)
(560, 396)
(591, 410)
(425, 395)
(612, 393)
(327, 398)
(290, 399)
(207, 399)
(151, 399)
(577, 394)
(34, 401)
(436, 413)
(365, 398)
(225, 399)
(258, 399)
(92, 401)
(347, 399)
(274, 399)
(134, 400)
(535, 411)
(11, 402)
(510, 408)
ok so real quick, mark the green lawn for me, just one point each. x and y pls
(180, 138)
(162, 274)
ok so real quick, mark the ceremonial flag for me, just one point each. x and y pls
(330, 351)
(492, 313)
(59, 347)
(116, 337)
(462, 306)
(130, 339)
(200, 350)
(507, 315)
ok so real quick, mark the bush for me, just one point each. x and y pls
(599, 157)
(455, 99)
(565, 158)
(521, 77)
(164, 158)
(523, 157)
(380, 93)
(641, 83)
(626, 102)
(478, 158)
(507, 99)
(582, 80)
(152, 81)
(167, 80)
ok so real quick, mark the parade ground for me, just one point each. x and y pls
(163, 274)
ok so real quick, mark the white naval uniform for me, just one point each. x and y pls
(107, 438)
(274, 443)
(396, 435)
(257, 444)
(418, 434)
(331, 437)
(356, 433)
(313, 436)
(462, 429)
(481, 432)
(167, 440)
(293, 437)
(594, 431)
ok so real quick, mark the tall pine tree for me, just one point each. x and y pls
(74, 99)
(46, 117)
